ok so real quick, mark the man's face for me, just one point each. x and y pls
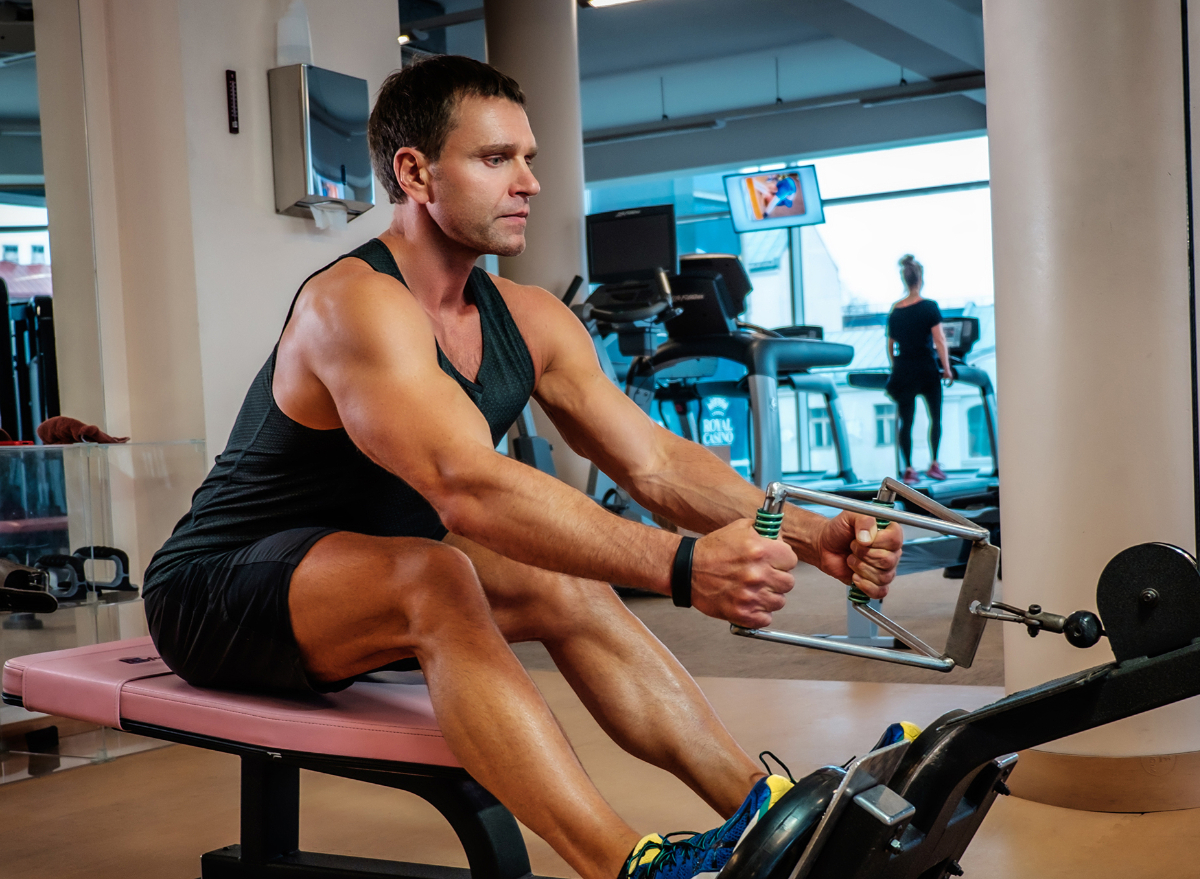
(481, 184)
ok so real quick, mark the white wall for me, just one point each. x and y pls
(249, 261)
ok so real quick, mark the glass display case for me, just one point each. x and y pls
(91, 516)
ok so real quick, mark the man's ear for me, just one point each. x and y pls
(412, 173)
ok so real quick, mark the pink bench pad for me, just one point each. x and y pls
(125, 680)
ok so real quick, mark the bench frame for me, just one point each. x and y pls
(270, 815)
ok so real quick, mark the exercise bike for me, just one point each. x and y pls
(909, 810)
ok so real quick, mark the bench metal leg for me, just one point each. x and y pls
(270, 829)
(270, 809)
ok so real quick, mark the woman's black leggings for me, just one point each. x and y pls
(906, 406)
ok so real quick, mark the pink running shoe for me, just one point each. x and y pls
(936, 472)
(910, 477)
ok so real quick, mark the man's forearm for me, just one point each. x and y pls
(533, 518)
(695, 489)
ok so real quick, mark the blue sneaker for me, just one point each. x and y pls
(897, 732)
(702, 855)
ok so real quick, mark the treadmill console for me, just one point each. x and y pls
(737, 282)
(961, 335)
(703, 297)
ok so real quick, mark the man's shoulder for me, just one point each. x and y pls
(350, 272)
(349, 303)
(528, 302)
(350, 285)
(512, 289)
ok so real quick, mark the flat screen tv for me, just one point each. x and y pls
(628, 245)
(772, 199)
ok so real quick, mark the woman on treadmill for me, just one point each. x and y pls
(914, 330)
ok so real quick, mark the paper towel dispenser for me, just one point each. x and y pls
(319, 140)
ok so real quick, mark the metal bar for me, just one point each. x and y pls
(926, 662)
(825, 499)
(867, 97)
(901, 633)
(910, 495)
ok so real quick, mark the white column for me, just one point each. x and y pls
(1086, 122)
(535, 42)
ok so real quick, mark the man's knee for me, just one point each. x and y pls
(435, 582)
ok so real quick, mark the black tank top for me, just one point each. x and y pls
(276, 474)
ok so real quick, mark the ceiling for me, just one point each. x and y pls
(656, 33)
(753, 76)
(709, 61)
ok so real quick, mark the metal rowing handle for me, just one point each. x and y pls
(967, 627)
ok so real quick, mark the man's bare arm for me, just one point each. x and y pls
(372, 347)
(674, 477)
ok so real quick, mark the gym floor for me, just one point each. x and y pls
(152, 814)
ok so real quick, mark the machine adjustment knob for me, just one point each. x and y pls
(1083, 629)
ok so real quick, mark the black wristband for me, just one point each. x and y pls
(681, 573)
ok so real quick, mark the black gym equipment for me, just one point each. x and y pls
(23, 590)
(69, 582)
(909, 810)
(28, 365)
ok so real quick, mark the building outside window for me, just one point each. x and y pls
(885, 424)
(822, 436)
(9, 253)
(37, 254)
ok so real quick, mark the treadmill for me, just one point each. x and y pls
(709, 353)
(976, 496)
(959, 491)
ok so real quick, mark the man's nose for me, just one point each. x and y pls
(527, 184)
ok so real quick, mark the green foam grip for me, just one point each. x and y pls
(856, 595)
(768, 524)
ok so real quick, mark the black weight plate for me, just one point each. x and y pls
(1149, 600)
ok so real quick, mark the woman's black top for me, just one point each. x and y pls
(276, 474)
(911, 327)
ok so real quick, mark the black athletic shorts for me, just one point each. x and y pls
(222, 621)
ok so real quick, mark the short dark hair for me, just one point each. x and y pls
(415, 108)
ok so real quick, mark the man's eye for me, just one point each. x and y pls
(495, 160)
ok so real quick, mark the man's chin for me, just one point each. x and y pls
(510, 248)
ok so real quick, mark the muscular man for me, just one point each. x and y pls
(360, 515)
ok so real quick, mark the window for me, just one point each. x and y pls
(37, 254)
(978, 442)
(822, 436)
(885, 424)
(10, 253)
